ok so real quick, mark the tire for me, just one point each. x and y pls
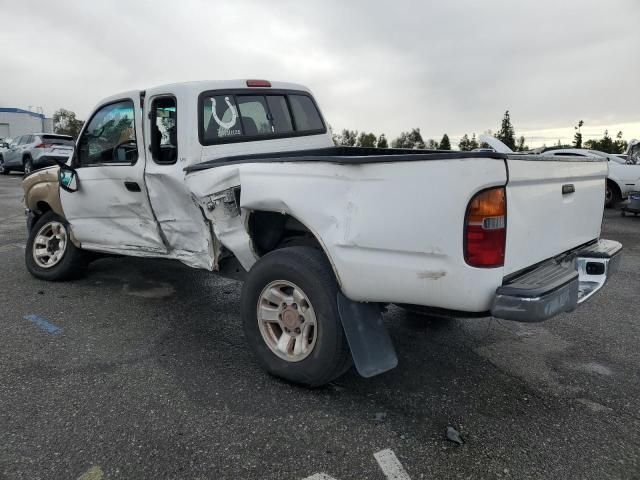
(308, 271)
(612, 195)
(3, 170)
(71, 263)
(27, 166)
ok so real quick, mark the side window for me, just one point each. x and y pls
(164, 130)
(305, 113)
(110, 137)
(23, 140)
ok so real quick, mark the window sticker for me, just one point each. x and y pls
(234, 114)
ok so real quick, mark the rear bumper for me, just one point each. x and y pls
(557, 285)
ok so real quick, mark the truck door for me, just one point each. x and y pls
(184, 230)
(111, 211)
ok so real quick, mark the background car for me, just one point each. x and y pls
(623, 177)
(37, 150)
(4, 146)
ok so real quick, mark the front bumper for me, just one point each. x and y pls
(558, 285)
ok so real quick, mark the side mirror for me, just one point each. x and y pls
(68, 178)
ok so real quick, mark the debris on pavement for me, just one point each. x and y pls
(454, 436)
(380, 416)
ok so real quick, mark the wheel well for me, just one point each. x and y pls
(43, 207)
(26, 157)
(272, 230)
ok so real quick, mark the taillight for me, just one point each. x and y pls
(43, 145)
(485, 228)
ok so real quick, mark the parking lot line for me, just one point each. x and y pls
(388, 462)
(43, 324)
(94, 473)
(390, 465)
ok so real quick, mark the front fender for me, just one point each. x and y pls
(42, 188)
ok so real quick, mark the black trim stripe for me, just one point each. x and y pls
(345, 156)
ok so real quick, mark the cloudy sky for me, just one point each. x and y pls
(450, 66)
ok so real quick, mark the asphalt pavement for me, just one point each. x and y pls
(140, 370)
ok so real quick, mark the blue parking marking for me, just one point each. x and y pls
(43, 324)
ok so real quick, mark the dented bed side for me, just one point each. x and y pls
(392, 231)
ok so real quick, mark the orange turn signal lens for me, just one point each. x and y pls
(485, 231)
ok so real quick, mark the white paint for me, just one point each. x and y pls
(392, 231)
(541, 221)
(626, 176)
(390, 465)
(320, 476)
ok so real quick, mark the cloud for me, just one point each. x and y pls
(382, 66)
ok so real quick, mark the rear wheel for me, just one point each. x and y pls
(290, 317)
(28, 166)
(3, 169)
(612, 195)
(50, 254)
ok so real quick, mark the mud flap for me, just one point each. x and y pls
(371, 346)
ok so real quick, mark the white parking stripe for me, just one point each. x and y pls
(390, 465)
(319, 476)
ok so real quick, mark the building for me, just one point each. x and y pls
(15, 122)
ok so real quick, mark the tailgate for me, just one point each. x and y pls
(552, 206)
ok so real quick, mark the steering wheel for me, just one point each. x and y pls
(127, 146)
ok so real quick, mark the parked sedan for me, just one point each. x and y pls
(623, 178)
(38, 150)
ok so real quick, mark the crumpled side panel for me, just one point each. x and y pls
(393, 232)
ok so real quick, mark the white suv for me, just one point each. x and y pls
(38, 150)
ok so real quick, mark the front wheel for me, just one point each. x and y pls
(3, 169)
(290, 317)
(612, 195)
(50, 254)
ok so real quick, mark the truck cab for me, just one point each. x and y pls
(136, 145)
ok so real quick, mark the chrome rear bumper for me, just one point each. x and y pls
(557, 285)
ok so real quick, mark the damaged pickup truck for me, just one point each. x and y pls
(242, 178)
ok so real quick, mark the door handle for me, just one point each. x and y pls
(132, 186)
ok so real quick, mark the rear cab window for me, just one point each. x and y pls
(246, 115)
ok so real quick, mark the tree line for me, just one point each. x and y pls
(65, 122)
(506, 134)
(413, 139)
(604, 144)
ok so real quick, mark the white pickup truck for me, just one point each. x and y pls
(242, 178)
